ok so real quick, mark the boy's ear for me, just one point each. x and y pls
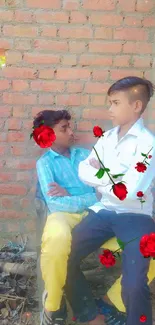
(138, 106)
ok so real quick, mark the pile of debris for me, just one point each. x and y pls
(18, 285)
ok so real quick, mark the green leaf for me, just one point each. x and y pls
(107, 170)
(100, 173)
(31, 135)
(121, 244)
(118, 175)
(118, 254)
(142, 201)
(143, 154)
(154, 258)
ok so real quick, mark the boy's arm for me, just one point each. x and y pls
(66, 203)
(87, 172)
(134, 180)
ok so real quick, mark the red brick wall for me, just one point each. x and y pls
(61, 53)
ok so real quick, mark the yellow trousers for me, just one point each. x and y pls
(55, 250)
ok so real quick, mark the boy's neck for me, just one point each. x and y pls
(62, 151)
(125, 128)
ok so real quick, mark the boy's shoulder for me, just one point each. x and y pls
(44, 157)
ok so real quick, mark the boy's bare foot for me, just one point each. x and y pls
(99, 320)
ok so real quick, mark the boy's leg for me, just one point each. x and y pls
(86, 238)
(135, 290)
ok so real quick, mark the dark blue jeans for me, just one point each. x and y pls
(88, 236)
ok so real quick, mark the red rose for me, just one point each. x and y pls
(150, 156)
(120, 190)
(44, 136)
(107, 258)
(140, 194)
(143, 318)
(98, 132)
(141, 167)
(147, 245)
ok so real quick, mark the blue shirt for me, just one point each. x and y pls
(53, 167)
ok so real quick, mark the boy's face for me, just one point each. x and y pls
(64, 134)
(122, 110)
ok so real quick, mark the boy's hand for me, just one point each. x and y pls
(94, 163)
(57, 190)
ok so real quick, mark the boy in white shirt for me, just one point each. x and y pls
(120, 149)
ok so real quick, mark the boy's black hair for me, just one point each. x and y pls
(51, 118)
(138, 88)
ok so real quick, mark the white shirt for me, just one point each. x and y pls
(121, 157)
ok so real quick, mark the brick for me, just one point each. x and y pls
(140, 62)
(6, 177)
(16, 98)
(49, 31)
(6, 15)
(85, 139)
(49, 86)
(16, 136)
(75, 87)
(100, 114)
(77, 33)
(105, 19)
(69, 60)
(14, 3)
(70, 4)
(72, 74)
(145, 6)
(6, 44)
(20, 73)
(127, 6)
(84, 126)
(3, 149)
(46, 4)
(20, 85)
(27, 124)
(54, 46)
(104, 33)
(24, 176)
(20, 111)
(77, 47)
(5, 111)
(96, 88)
(118, 74)
(17, 151)
(129, 34)
(105, 47)
(11, 214)
(13, 57)
(20, 31)
(2, 123)
(46, 74)
(23, 16)
(132, 21)
(98, 100)
(70, 100)
(22, 45)
(121, 61)
(12, 189)
(46, 99)
(51, 17)
(99, 4)
(12, 226)
(7, 202)
(149, 22)
(14, 124)
(137, 47)
(98, 75)
(90, 60)
(78, 17)
(30, 226)
(4, 84)
(3, 137)
(37, 58)
(26, 164)
(2, 2)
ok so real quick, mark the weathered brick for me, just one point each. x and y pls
(98, 100)
(23, 16)
(3, 137)
(84, 126)
(54, 46)
(96, 87)
(129, 34)
(46, 4)
(49, 86)
(122, 61)
(118, 74)
(100, 114)
(98, 75)
(5, 111)
(144, 6)
(72, 74)
(51, 17)
(12, 189)
(20, 85)
(75, 87)
(72, 32)
(90, 60)
(137, 47)
(6, 43)
(149, 22)
(104, 33)
(22, 45)
(71, 100)
(77, 47)
(17, 150)
(69, 60)
(19, 98)
(105, 19)
(6, 15)
(12, 214)
(70, 4)
(7, 202)
(14, 124)
(13, 57)
(99, 4)
(4, 84)
(16, 136)
(20, 31)
(37, 58)
(49, 31)
(20, 73)
(46, 99)
(3, 149)
(6, 177)
(127, 6)
(105, 47)
(132, 21)
(78, 17)
(140, 62)
(46, 74)
(20, 111)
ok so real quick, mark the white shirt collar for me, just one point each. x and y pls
(134, 130)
